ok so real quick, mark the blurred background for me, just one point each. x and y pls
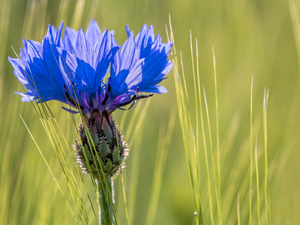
(250, 37)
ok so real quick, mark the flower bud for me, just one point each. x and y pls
(102, 148)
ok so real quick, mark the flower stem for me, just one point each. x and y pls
(105, 197)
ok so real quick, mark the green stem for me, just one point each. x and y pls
(105, 197)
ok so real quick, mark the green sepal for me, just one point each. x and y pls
(83, 133)
(108, 166)
(93, 168)
(104, 149)
(116, 155)
(94, 136)
(107, 130)
(87, 152)
(100, 163)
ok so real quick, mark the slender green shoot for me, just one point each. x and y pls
(124, 197)
(265, 106)
(201, 119)
(257, 183)
(212, 157)
(295, 14)
(251, 150)
(197, 155)
(217, 134)
(238, 210)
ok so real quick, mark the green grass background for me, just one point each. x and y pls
(250, 38)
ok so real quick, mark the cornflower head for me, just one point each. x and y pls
(91, 73)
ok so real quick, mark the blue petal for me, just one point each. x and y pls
(112, 32)
(26, 97)
(73, 69)
(154, 89)
(93, 32)
(55, 79)
(36, 57)
(141, 36)
(84, 56)
(135, 75)
(128, 53)
(70, 110)
(121, 68)
(68, 39)
(101, 48)
(19, 70)
(102, 67)
(54, 35)
(104, 52)
(127, 30)
(83, 50)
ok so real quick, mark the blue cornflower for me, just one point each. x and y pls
(92, 73)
